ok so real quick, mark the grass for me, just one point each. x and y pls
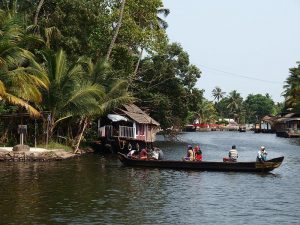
(55, 145)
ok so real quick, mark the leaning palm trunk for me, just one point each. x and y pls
(84, 121)
(138, 63)
(35, 21)
(117, 30)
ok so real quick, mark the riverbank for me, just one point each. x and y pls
(36, 154)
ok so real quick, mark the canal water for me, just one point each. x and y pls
(97, 189)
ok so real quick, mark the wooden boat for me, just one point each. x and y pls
(204, 165)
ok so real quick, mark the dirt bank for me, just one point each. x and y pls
(35, 154)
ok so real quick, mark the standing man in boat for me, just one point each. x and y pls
(233, 154)
(262, 154)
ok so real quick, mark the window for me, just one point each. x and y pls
(140, 129)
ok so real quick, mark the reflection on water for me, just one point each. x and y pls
(99, 190)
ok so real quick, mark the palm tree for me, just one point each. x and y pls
(115, 93)
(235, 103)
(218, 94)
(21, 77)
(116, 30)
(161, 24)
(292, 89)
(206, 111)
(69, 94)
(35, 20)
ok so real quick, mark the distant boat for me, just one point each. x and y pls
(242, 129)
(204, 165)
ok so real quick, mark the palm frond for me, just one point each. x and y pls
(18, 101)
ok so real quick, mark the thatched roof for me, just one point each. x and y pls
(138, 115)
(288, 117)
(270, 119)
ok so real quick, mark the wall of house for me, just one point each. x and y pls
(265, 126)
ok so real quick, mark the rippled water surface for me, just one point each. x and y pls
(97, 189)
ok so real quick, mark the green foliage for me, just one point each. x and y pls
(159, 74)
(258, 106)
(218, 94)
(21, 77)
(165, 83)
(206, 112)
(292, 90)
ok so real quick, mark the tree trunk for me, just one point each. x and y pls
(116, 31)
(85, 123)
(138, 63)
(38, 9)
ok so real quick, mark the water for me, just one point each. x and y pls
(98, 190)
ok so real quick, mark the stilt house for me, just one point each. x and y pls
(128, 125)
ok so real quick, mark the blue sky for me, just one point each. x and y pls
(243, 45)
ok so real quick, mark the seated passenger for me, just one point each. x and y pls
(198, 153)
(160, 154)
(233, 155)
(154, 154)
(144, 154)
(189, 154)
(133, 154)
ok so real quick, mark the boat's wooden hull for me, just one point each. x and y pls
(205, 165)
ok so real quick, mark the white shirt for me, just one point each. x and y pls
(155, 154)
(233, 154)
(262, 154)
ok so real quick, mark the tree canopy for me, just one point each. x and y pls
(77, 59)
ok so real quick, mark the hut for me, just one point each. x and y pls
(288, 125)
(128, 127)
(267, 124)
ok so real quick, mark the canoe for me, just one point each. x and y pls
(205, 165)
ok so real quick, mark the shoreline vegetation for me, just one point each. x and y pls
(67, 63)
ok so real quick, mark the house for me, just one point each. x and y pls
(266, 124)
(127, 127)
(288, 125)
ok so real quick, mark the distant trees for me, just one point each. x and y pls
(250, 110)
(235, 104)
(218, 94)
(257, 106)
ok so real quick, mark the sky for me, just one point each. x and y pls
(243, 45)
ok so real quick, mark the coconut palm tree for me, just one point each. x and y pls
(161, 24)
(69, 94)
(218, 94)
(21, 77)
(206, 111)
(38, 9)
(292, 89)
(116, 32)
(235, 103)
(114, 95)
